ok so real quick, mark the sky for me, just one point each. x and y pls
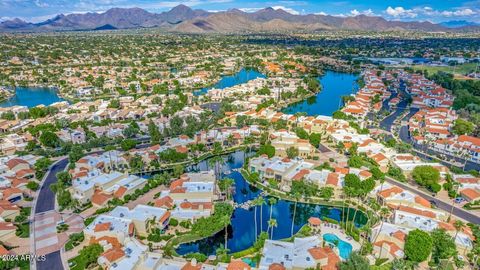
(404, 10)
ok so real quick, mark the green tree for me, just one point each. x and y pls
(128, 144)
(49, 139)
(355, 161)
(462, 127)
(90, 254)
(315, 139)
(426, 176)
(418, 245)
(443, 246)
(354, 262)
(41, 166)
(155, 135)
(292, 152)
(32, 185)
(267, 149)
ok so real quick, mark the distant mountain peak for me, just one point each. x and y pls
(182, 18)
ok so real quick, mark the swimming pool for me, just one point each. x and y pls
(250, 262)
(343, 247)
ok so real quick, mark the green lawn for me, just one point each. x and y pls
(459, 69)
(77, 263)
(23, 230)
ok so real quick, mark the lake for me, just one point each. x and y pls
(328, 100)
(241, 232)
(242, 76)
(32, 96)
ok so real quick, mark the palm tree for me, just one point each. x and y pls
(216, 161)
(271, 201)
(255, 204)
(458, 224)
(226, 221)
(225, 186)
(383, 213)
(297, 197)
(261, 202)
(272, 223)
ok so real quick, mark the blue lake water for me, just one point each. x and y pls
(243, 76)
(241, 232)
(32, 96)
(326, 102)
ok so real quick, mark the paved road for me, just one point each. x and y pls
(46, 202)
(53, 261)
(459, 212)
(387, 122)
(46, 198)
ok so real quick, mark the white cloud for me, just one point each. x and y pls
(400, 12)
(459, 12)
(367, 12)
(320, 13)
(354, 12)
(249, 10)
(287, 9)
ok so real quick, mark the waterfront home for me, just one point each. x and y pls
(302, 253)
(283, 140)
(282, 170)
(144, 217)
(105, 162)
(108, 226)
(389, 240)
(122, 257)
(99, 188)
(191, 196)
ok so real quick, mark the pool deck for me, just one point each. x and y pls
(336, 230)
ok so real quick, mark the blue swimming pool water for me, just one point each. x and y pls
(344, 248)
(249, 262)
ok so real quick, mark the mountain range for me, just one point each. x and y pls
(186, 20)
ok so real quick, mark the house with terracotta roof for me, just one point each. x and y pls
(99, 188)
(11, 194)
(125, 257)
(7, 230)
(282, 140)
(302, 253)
(17, 164)
(392, 196)
(282, 170)
(470, 194)
(191, 196)
(145, 218)
(105, 225)
(8, 210)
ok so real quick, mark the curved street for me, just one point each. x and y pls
(45, 202)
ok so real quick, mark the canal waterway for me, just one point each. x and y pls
(241, 232)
